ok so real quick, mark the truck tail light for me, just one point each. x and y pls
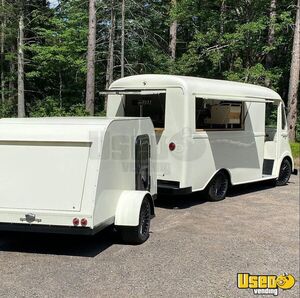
(75, 221)
(172, 146)
(84, 222)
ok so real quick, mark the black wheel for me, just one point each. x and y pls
(218, 187)
(284, 173)
(139, 234)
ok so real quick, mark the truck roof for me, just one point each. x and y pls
(196, 86)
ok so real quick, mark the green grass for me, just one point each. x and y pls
(295, 149)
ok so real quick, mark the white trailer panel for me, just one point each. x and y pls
(77, 175)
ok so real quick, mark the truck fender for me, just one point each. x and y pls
(128, 207)
(284, 155)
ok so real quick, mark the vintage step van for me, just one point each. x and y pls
(78, 175)
(210, 133)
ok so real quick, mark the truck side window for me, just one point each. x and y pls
(218, 114)
(283, 118)
(271, 115)
(150, 105)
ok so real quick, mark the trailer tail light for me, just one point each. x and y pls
(75, 221)
(172, 146)
(84, 222)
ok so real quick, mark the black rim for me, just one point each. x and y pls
(285, 171)
(145, 218)
(219, 186)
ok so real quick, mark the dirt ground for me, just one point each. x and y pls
(196, 249)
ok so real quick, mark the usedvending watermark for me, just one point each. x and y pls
(265, 284)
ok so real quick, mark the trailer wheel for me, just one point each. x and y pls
(284, 173)
(218, 187)
(139, 234)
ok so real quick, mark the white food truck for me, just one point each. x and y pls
(210, 133)
(78, 175)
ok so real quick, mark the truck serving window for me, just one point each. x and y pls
(218, 114)
(150, 105)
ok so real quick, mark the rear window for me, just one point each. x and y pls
(150, 105)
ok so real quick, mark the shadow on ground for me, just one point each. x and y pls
(200, 197)
(54, 244)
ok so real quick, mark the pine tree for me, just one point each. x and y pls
(90, 79)
(294, 78)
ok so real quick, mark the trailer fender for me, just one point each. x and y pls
(128, 207)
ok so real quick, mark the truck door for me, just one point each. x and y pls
(142, 163)
(272, 125)
(283, 144)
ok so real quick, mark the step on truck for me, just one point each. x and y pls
(78, 175)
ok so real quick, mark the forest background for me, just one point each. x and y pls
(57, 55)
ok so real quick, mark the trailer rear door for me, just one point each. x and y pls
(42, 175)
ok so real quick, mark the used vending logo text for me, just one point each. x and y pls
(265, 284)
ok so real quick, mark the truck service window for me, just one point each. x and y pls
(218, 114)
(150, 105)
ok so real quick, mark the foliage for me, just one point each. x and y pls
(213, 41)
(58, 62)
(295, 149)
(7, 109)
(50, 107)
(298, 127)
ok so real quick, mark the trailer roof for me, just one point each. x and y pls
(196, 86)
(71, 129)
(66, 120)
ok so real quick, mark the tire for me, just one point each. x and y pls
(139, 234)
(285, 173)
(218, 187)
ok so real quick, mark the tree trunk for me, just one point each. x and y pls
(123, 40)
(271, 34)
(60, 89)
(294, 78)
(222, 16)
(12, 70)
(3, 25)
(110, 58)
(173, 35)
(21, 99)
(271, 38)
(90, 78)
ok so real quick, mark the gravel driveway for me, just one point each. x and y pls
(196, 249)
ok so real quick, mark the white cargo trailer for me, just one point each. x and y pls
(78, 175)
(210, 133)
